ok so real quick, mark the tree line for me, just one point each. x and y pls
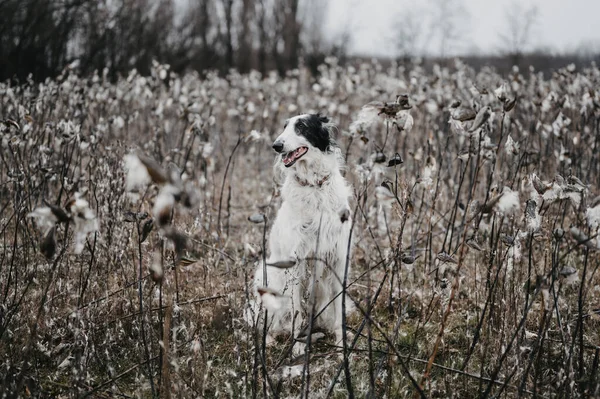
(42, 37)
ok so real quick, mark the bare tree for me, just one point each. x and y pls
(447, 24)
(245, 49)
(314, 43)
(408, 34)
(228, 27)
(198, 32)
(314, 13)
(291, 33)
(516, 36)
(263, 36)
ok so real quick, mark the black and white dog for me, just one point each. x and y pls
(311, 231)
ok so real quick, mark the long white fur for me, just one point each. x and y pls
(308, 228)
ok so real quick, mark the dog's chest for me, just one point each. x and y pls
(310, 202)
(313, 212)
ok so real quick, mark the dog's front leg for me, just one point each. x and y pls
(337, 303)
(298, 319)
(342, 269)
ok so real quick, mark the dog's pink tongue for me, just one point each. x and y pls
(289, 158)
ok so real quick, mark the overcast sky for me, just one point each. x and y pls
(561, 24)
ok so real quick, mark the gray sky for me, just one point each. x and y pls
(561, 24)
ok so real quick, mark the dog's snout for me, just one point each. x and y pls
(278, 146)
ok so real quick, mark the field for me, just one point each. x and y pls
(475, 264)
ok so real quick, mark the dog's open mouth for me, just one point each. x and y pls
(291, 157)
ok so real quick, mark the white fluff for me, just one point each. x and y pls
(83, 227)
(307, 228)
(405, 121)
(508, 204)
(515, 252)
(85, 222)
(554, 193)
(575, 198)
(366, 117)
(44, 219)
(534, 224)
(501, 91)
(254, 135)
(428, 172)
(511, 147)
(207, 150)
(593, 217)
(386, 200)
(137, 174)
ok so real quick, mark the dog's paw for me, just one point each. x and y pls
(314, 337)
(344, 214)
(317, 333)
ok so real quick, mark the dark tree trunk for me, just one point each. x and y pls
(229, 34)
(245, 37)
(291, 45)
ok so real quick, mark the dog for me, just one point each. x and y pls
(309, 242)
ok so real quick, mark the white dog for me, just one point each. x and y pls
(309, 240)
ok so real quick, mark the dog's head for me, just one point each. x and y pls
(303, 137)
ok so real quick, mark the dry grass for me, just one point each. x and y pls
(498, 322)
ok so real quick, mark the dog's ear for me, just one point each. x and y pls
(317, 130)
(327, 128)
(323, 119)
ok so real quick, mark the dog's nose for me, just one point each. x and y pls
(278, 146)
